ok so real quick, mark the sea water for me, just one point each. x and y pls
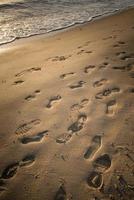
(23, 18)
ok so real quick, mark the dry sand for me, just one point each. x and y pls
(66, 114)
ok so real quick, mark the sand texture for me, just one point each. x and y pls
(66, 114)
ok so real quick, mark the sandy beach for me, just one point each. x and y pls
(66, 113)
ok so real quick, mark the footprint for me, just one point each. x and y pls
(124, 55)
(107, 38)
(131, 90)
(33, 69)
(24, 128)
(78, 125)
(53, 100)
(63, 76)
(80, 52)
(10, 171)
(127, 67)
(37, 91)
(100, 82)
(121, 42)
(64, 138)
(27, 160)
(102, 163)
(116, 45)
(83, 51)
(89, 68)
(110, 107)
(61, 193)
(95, 146)
(107, 92)
(103, 65)
(35, 138)
(127, 57)
(18, 82)
(73, 128)
(80, 105)
(95, 180)
(61, 58)
(120, 53)
(30, 97)
(77, 85)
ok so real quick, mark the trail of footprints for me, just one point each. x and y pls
(11, 170)
(102, 163)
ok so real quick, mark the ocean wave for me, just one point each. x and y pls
(20, 19)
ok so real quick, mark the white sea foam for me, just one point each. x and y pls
(23, 18)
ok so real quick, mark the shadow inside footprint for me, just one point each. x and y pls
(63, 138)
(100, 82)
(95, 145)
(110, 108)
(102, 163)
(27, 71)
(77, 85)
(95, 179)
(78, 125)
(107, 92)
(10, 171)
(27, 160)
(53, 100)
(18, 82)
(63, 76)
(89, 68)
(30, 97)
(35, 138)
(61, 193)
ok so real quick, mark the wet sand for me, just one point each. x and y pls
(66, 114)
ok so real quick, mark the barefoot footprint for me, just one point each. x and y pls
(89, 68)
(107, 92)
(100, 83)
(33, 69)
(32, 96)
(53, 100)
(80, 105)
(18, 82)
(127, 67)
(77, 85)
(63, 76)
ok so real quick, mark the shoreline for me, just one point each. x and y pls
(66, 113)
(64, 29)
